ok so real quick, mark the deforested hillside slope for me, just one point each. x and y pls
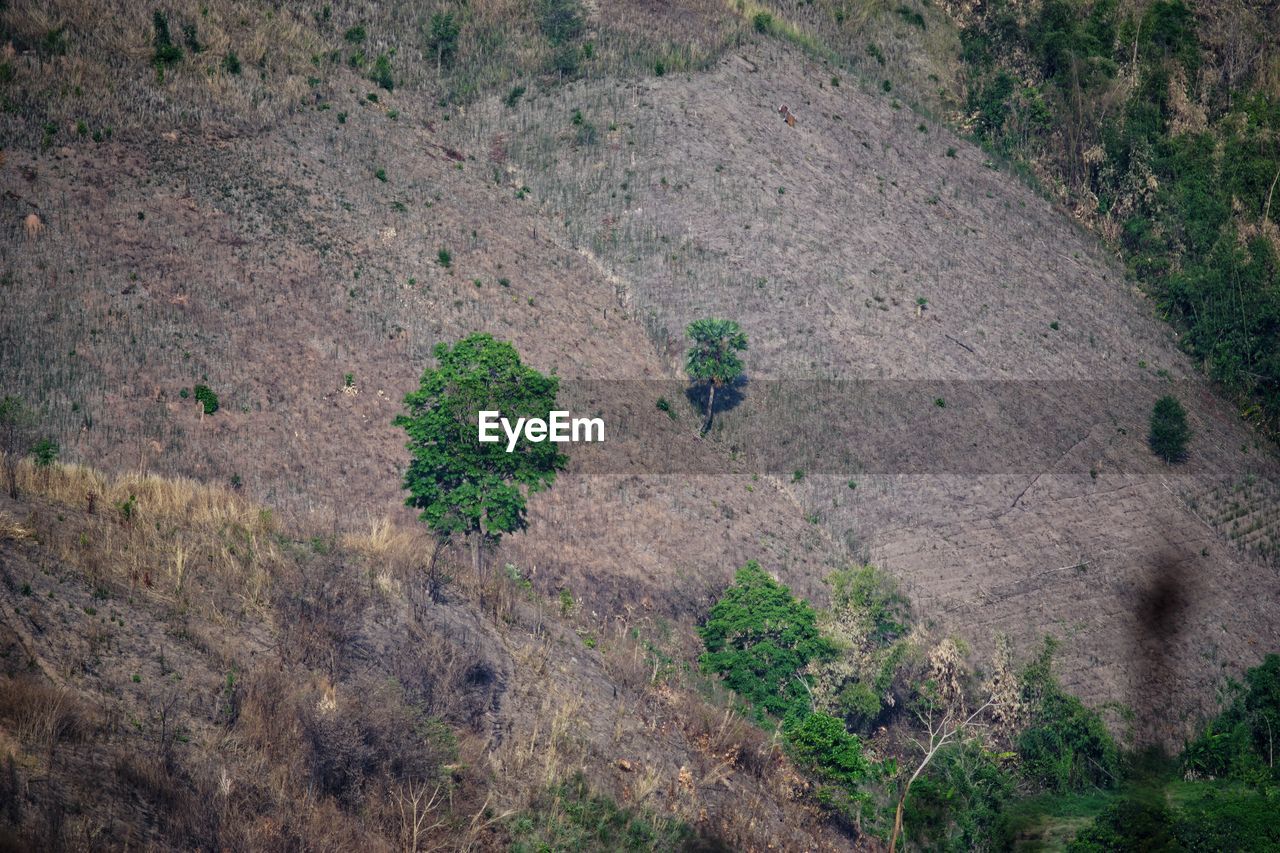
(867, 242)
(304, 274)
(233, 236)
(193, 673)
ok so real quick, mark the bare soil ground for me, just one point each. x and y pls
(821, 239)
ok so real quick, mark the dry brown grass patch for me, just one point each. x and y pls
(42, 716)
(159, 535)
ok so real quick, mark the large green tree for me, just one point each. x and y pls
(459, 484)
(713, 360)
(760, 638)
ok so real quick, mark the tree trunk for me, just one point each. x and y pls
(435, 579)
(711, 407)
(897, 820)
(475, 553)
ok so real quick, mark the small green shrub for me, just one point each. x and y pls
(189, 36)
(821, 743)
(911, 16)
(444, 258)
(45, 452)
(561, 21)
(165, 52)
(1169, 431)
(382, 72)
(231, 63)
(204, 396)
(127, 509)
(443, 37)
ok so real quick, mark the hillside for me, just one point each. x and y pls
(192, 673)
(949, 377)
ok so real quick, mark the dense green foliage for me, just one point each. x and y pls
(958, 803)
(821, 744)
(1176, 144)
(206, 397)
(164, 51)
(569, 817)
(1140, 821)
(1241, 742)
(1065, 746)
(459, 484)
(1169, 432)
(1064, 768)
(1157, 810)
(1205, 818)
(1237, 819)
(763, 641)
(760, 638)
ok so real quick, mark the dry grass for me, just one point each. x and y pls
(89, 62)
(340, 711)
(15, 531)
(148, 534)
(41, 716)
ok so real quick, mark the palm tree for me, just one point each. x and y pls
(713, 359)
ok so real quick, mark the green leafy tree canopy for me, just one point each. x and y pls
(713, 359)
(459, 484)
(759, 637)
(1065, 746)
